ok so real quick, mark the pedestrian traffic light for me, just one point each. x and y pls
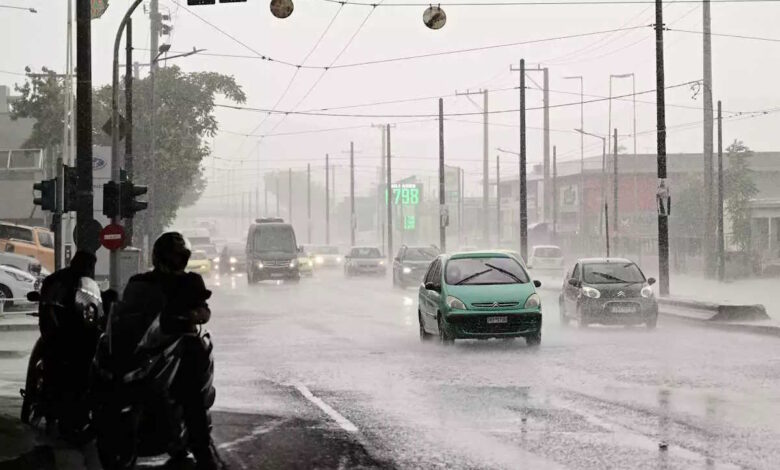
(127, 194)
(110, 198)
(70, 191)
(48, 199)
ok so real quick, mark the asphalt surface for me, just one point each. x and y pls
(330, 373)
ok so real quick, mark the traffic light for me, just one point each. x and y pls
(48, 199)
(128, 192)
(70, 191)
(110, 198)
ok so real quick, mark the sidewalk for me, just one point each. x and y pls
(745, 292)
(17, 322)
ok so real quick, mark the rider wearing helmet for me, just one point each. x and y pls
(180, 298)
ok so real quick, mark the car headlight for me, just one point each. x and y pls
(216, 260)
(407, 270)
(456, 303)
(309, 263)
(533, 301)
(647, 292)
(591, 292)
(233, 260)
(319, 260)
(259, 265)
(381, 262)
(293, 263)
(338, 259)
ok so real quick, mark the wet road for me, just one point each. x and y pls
(343, 358)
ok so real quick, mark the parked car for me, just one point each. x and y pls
(546, 258)
(27, 264)
(364, 260)
(411, 263)
(16, 284)
(608, 291)
(37, 242)
(479, 295)
(199, 262)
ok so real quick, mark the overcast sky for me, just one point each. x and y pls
(745, 76)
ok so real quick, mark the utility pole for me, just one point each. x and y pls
(523, 183)
(289, 195)
(352, 220)
(581, 192)
(709, 243)
(389, 185)
(606, 225)
(278, 195)
(485, 163)
(615, 191)
(498, 200)
(663, 221)
(265, 197)
(154, 45)
(721, 241)
(327, 199)
(308, 203)
(555, 192)
(129, 120)
(443, 212)
(84, 213)
(546, 125)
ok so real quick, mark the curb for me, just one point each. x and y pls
(710, 311)
(18, 326)
(758, 328)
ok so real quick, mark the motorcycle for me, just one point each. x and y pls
(50, 392)
(133, 371)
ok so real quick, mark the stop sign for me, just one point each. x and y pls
(112, 237)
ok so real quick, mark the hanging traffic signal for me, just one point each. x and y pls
(110, 198)
(48, 199)
(127, 193)
(70, 191)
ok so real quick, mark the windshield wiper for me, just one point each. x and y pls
(468, 278)
(504, 271)
(608, 276)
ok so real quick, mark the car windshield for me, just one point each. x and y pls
(325, 250)
(420, 254)
(209, 250)
(365, 253)
(198, 255)
(547, 252)
(612, 273)
(11, 232)
(275, 238)
(481, 271)
(235, 249)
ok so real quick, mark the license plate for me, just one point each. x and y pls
(276, 275)
(623, 310)
(496, 320)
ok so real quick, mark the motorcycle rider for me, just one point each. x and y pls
(67, 347)
(181, 299)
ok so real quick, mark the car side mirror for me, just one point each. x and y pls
(574, 282)
(34, 296)
(397, 259)
(650, 281)
(537, 283)
(431, 286)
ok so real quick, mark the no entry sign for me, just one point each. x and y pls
(112, 237)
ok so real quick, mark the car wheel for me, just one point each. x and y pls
(583, 323)
(444, 337)
(651, 323)
(534, 340)
(5, 293)
(424, 335)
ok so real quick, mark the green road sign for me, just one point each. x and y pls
(409, 222)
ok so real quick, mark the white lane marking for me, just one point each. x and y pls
(335, 415)
(266, 428)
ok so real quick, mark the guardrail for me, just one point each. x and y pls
(711, 312)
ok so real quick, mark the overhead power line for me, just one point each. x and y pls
(725, 35)
(537, 3)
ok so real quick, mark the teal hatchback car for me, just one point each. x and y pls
(479, 295)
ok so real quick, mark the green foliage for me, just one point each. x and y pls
(738, 192)
(42, 98)
(183, 122)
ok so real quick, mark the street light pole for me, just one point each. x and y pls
(581, 193)
(603, 179)
(663, 221)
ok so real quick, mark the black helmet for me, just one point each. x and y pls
(171, 252)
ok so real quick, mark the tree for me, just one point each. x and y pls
(687, 218)
(42, 98)
(738, 192)
(184, 120)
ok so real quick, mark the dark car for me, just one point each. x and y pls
(364, 260)
(271, 251)
(609, 291)
(232, 258)
(411, 263)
